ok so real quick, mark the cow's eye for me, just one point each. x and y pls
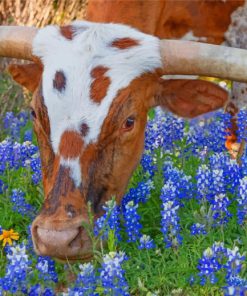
(33, 114)
(129, 123)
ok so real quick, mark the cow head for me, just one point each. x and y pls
(93, 85)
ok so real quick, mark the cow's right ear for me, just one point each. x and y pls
(189, 98)
(28, 75)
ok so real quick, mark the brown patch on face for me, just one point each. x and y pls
(67, 32)
(100, 84)
(84, 129)
(62, 186)
(124, 43)
(104, 163)
(71, 144)
(42, 129)
(59, 81)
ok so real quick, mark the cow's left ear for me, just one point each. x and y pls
(189, 98)
(28, 75)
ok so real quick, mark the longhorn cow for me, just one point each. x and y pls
(93, 85)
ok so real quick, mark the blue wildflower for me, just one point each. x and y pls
(18, 265)
(112, 274)
(146, 242)
(220, 205)
(46, 268)
(132, 221)
(86, 281)
(198, 229)
(138, 194)
(170, 226)
(20, 205)
(242, 200)
(110, 220)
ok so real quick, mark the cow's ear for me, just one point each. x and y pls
(28, 75)
(189, 98)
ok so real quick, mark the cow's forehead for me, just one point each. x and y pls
(72, 66)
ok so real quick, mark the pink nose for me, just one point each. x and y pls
(58, 243)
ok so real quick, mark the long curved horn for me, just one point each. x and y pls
(16, 42)
(194, 58)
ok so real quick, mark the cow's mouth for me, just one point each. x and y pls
(84, 258)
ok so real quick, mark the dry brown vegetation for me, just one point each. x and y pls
(41, 12)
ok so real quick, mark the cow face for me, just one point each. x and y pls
(93, 86)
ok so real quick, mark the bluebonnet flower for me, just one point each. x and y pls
(14, 155)
(112, 274)
(153, 133)
(7, 120)
(23, 117)
(234, 264)
(173, 130)
(2, 186)
(28, 150)
(218, 182)
(184, 188)
(148, 164)
(163, 131)
(218, 160)
(211, 263)
(204, 179)
(228, 170)
(242, 124)
(37, 290)
(20, 205)
(12, 124)
(198, 229)
(35, 164)
(210, 132)
(86, 281)
(28, 135)
(110, 220)
(209, 183)
(236, 286)
(138, 194)
(6, 154)
(220, 205)
(203, 153)
(170, 226)
(132, 221)
(243, 167)
(232, 175)
(217, 258)
(18, 265)
(242, 200)
(146, 242)
(46, 268)
(34, 290)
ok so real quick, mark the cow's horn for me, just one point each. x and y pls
(194, 58)
(16, 42)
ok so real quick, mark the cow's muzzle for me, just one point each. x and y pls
(66, 244)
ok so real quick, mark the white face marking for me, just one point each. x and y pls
(75, 169)
(88, 49)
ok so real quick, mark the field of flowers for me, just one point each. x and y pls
(180, 230)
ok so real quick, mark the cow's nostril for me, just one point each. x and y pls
(76, 242)
(55, 238)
